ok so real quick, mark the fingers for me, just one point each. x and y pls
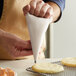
(25, 53)
(39, 9)
(26, 9)
(18, 43)
(32, 6)
(44, 10)
(19, 53)
(49, 12)
(23, 45)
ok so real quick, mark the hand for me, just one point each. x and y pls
(39, 9)
(14, 45)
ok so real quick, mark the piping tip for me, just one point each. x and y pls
(35, 61)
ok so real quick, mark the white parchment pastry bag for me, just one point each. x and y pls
(37, 27)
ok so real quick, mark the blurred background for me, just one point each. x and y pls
(64, 32)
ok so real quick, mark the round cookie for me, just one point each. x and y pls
(47, 68)
(70, 61)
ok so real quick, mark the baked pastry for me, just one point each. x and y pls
(7, 72)
(47, 68)
(70, 61)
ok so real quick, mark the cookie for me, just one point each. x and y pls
(47, 68)
(70, 61)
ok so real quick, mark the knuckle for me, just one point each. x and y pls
(36, 12)
(39, 2)
(32, 7)
(24, 9)
(48, 13)
(33, 4)
(42, 12)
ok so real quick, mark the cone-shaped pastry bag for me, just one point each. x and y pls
(37, 27)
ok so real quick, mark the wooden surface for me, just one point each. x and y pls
(20, 66)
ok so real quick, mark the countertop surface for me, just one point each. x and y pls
(20, 66)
